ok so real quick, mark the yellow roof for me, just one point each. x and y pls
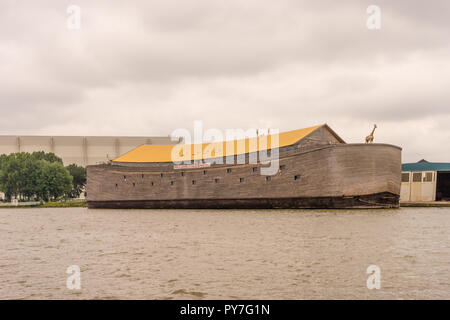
(171, 153)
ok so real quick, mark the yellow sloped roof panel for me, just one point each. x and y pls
(170, 153)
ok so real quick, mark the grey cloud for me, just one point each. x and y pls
(148, 67)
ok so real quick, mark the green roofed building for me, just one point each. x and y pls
(425, 181)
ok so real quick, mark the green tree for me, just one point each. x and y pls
(54, 181)
(50, 157)
(37, 175)
(30, 175)
(13, 176)
(79, 179)
(3, 157)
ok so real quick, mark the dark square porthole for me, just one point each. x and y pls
(241, 180)
(282, 167)
(255, 169)
(204, 172)
(193, 182)
(297, 177)
(216, 180)
(268, 178)
(228, 170)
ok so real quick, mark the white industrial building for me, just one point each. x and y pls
(82, 151)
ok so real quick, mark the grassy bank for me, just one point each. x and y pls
(68, 204)
(426, 204)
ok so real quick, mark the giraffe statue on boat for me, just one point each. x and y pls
(369, 138)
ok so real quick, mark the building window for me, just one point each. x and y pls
(417, 177)
(182, 174)
(142, 176)
(255, 169)
(193, 182)
(161, 175)
(216, 180)
(241, 180)
(171, 183)
(125, 178)
(428, 177)
(268, 178)
(204, 172)
(117, 185)
(282, 167)
(153, 183)
(297, 177)
(134, 184)
(228, 170)
(405, 177)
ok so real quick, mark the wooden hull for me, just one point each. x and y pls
(379, 201)
(331, 176)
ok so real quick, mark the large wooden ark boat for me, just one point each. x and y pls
(315, 168)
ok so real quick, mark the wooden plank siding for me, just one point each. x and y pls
(336, 170)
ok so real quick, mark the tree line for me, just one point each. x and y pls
(39, 176)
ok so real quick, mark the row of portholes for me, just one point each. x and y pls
(229, 170)
(216, 180)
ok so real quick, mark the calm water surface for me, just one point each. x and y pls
(235, 254)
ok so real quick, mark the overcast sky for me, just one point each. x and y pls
(150, 67)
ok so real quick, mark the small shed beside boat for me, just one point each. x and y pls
(425, 181)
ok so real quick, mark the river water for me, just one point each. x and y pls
(232, 254)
